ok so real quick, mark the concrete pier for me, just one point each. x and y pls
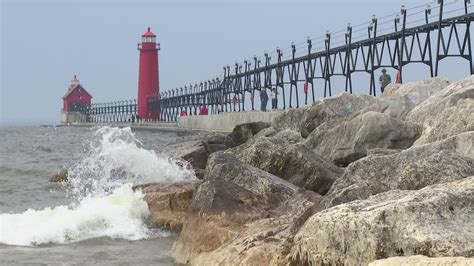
(224, 122)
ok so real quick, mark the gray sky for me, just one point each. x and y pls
(44, 43)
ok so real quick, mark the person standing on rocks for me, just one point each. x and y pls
(384, 79)
(263, 99)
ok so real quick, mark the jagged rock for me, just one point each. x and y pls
(60, 176)
(240, 215)
(350, 140)
(451, 121)
(289, 119)
(399, 99)
(290, 135)
(449, 96)
(195, 149)
(417, 91)
(341, 106)
(168, 203)
(409, 169)
(294, 163)
(435, 221)
(420, 260)
(266, 132)
(446, 113)
(244, 132)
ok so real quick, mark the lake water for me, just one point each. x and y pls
(95, 217)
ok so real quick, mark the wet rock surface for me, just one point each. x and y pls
(195, 149)
(240, 214)
(168, 203)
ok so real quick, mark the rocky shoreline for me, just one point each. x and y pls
(350, 180)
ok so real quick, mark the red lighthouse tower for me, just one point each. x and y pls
(148, 78)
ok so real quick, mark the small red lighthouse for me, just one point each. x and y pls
(148, 78)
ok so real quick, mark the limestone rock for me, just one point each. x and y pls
(240, 215)
(449, 96)
(168, 203)
(60, 176)
(294, 163)
(435, 221)
(418, 91)
(420, 260)
(409, 169)
(399, 99)
(266, 132)
(446, 113)
(290, 135)
(289, 119)
(244, 132)
(451, 121)
(341, 106)
(351, 140)
(196, 149)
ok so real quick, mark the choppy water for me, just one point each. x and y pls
(94, 218)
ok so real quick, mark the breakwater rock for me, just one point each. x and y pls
(350, 180)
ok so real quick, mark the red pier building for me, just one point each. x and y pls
(75, 103)
(148, 77)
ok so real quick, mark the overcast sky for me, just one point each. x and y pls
(44, 43)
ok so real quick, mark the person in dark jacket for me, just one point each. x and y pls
(384, 79)
(263, 99)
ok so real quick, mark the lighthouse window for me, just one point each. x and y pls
(148, 39)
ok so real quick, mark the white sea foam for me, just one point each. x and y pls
(101, 185)
(119, 215)
(115, 158)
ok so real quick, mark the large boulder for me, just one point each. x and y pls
(244, 132)
(417, 91)
(350, 140)
(420, 260)
(435, 221)
(292, 162)
(410, 169)
(341, 106)
(195, 149)
(446, 113)
(168, 203)
(451, 121)
(289, 119)
(399, 99)
(447, 97)
(240, 215)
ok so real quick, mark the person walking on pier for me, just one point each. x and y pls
(263, 99)
(274, 98)
(384, 79)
